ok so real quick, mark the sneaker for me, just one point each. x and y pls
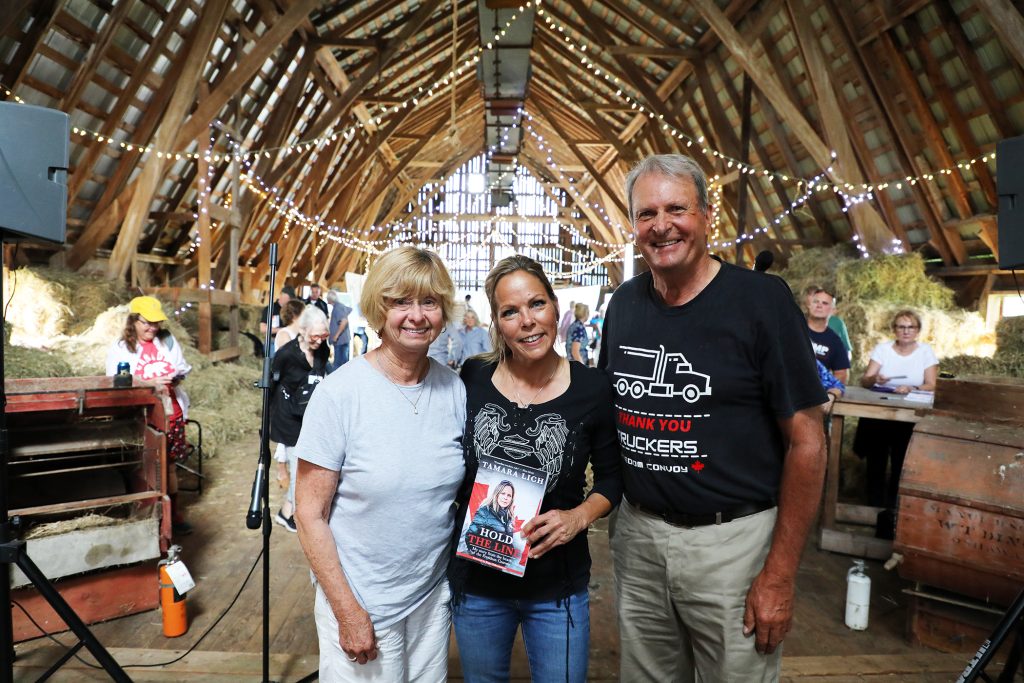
(287, 522)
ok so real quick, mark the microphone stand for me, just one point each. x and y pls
(259, 506)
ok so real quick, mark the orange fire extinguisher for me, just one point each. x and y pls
(172, 603)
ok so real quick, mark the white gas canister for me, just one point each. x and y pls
(858, 596)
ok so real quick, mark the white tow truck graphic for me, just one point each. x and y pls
(653, 372)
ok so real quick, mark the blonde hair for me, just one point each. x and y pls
(405, 272)
(580, 311)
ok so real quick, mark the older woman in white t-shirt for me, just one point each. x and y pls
(903, 365)
(906, 364)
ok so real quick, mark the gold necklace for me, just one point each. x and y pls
(515, 390)
(398, 387)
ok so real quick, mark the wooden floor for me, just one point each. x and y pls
(221, 552)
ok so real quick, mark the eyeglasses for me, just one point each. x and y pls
(146, 323)
(318, 337)
(905, 328)
(405, 304)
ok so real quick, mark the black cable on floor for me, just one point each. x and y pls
(167, 663)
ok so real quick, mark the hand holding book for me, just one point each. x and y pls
(552, 529)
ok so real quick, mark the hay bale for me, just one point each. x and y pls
(896, 279)
(817, 266)
(36, 308)
(1010, 336)
(86, 296)
(21, 362)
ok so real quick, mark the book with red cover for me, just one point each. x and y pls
(505, 496)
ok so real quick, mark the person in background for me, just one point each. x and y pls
(289, 327)
(901, 366)
(715, 513)
(828, 347)
(526, 404)
(341, 334)
(576, 341)
(291, 311)
(287, 293)
(473, 339)
(380, 464)
(315, 300)
(596, 325)
(156, 360)
(446, 348)
(563, 324)
(299, 365)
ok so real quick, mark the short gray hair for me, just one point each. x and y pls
(310, 318)
(673, 166)
(333, 296)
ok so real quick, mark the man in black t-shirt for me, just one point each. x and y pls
(315, 300)
(828, 347)
(718, 410)
(287, 292)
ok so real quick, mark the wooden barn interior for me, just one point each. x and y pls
(847, 139)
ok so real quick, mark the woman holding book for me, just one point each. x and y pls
(380, 463)
(899, 366)
(529, 406)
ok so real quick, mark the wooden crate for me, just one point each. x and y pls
(961, 504)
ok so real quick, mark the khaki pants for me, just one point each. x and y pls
(681, 595)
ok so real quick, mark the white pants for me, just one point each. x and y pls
(414, 649)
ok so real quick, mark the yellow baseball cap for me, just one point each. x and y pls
(148, 307)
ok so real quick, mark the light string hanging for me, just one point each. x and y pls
(636, 103)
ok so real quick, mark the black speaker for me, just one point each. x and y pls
(33, 172)
(1010, 186)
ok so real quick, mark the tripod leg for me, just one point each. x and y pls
(1014, 659)
(64, 611)
(60, 662)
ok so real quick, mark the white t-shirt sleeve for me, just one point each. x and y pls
(323, 437)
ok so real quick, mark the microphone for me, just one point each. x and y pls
(253, 518)
(763, 261)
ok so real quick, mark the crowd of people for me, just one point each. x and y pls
(658, 396)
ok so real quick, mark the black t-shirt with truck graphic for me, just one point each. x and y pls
(699, 389)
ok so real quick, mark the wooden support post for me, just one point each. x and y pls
(203, 256)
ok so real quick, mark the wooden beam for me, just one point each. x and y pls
(652, 51)
(1008, 24)
(866, 221)
(96, 52)
(280, 28)
(206, 28)
(339, 109)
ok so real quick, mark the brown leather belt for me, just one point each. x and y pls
(706, 519)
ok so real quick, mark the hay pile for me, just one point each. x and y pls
(49, 336)
(871, 291)
(1008, 360)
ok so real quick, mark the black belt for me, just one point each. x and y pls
(706, 519)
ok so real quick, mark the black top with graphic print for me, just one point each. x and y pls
(700, 388)
(559, 436)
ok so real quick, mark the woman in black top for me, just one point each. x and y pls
(528, 405)
(298, 366)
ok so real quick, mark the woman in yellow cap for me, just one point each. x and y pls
(156, 360)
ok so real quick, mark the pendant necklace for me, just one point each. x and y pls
(395, 384)
(515, 390)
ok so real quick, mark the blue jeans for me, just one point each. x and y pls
(485, 629)
(340, 355)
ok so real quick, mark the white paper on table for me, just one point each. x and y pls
(920, 396)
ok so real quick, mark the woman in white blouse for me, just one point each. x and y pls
(903, 365)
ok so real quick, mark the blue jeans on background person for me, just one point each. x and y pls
(340, 355)
(485, 629)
